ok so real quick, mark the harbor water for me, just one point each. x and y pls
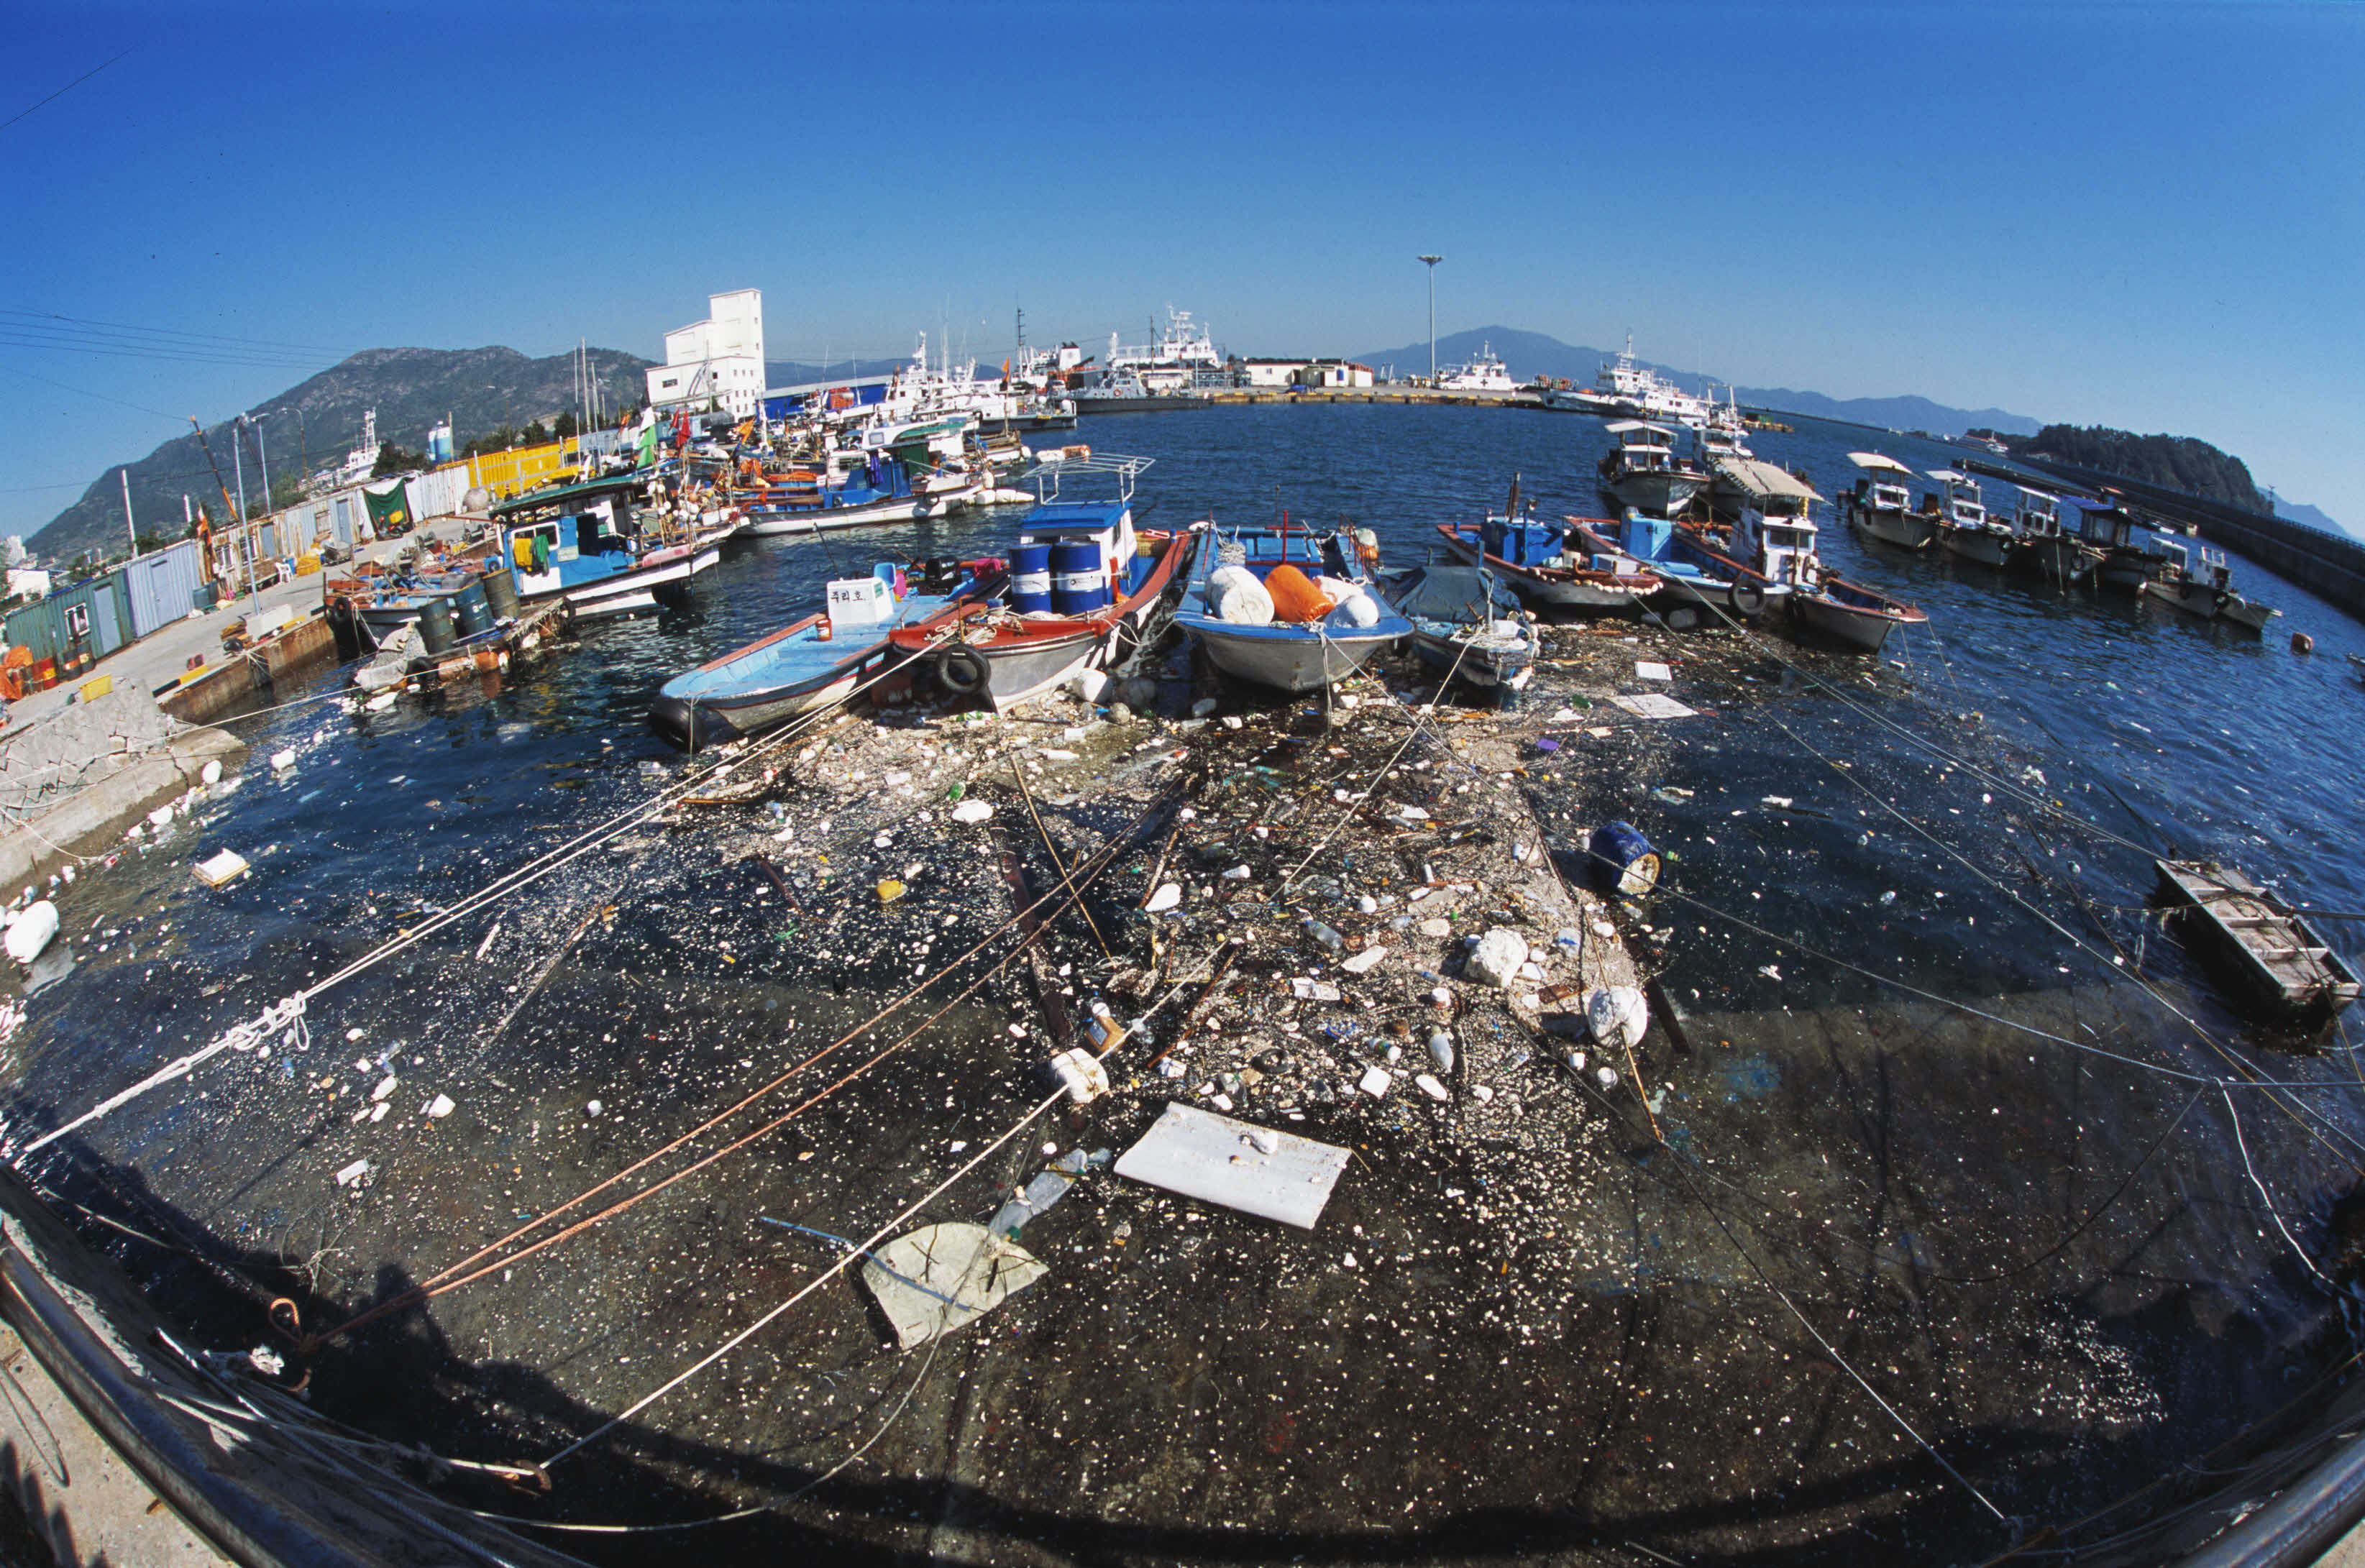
(1952, 1114)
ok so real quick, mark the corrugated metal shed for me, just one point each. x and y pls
(86, 618)
(160, 588)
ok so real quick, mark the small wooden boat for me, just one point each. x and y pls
(1783, 549)
(2046, 550)
(1967, 529)
(1289, 655)
(2279, 968)
(1644, 472)
(812, 662)
(1535, 562)
(1084, 588)
(1693, 573)
(592, 546)
(2130, 552)
(1467, 626)
(2207, 590)
(1881, 506)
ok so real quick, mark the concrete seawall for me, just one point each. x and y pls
(2327, 564)
(72, 782)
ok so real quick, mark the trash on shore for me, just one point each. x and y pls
(219, 869)
(31, 931)
(1258, 1170)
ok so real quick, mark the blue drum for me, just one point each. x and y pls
(1079, 577)
(1623, 860)
(1030, 577)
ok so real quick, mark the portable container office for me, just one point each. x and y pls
(159, 589)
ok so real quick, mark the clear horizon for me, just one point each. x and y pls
(2101, 214)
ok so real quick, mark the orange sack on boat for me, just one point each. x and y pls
(1294, 595)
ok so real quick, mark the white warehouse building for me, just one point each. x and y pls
(720, 357)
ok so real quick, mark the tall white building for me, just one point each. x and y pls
(720, 357)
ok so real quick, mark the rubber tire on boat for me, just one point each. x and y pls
(1748, 598)
(962, 671)
(2224, 598)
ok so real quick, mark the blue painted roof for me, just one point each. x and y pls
(1089, 515)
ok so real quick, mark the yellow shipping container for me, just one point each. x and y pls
(522, 468)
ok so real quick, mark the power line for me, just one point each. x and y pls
(116, 328)
(61, 91)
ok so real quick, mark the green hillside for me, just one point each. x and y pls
(2173, 462)
(482, 390)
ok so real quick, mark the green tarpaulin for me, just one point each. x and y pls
(390, 513)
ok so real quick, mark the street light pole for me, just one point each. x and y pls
(1432, 262)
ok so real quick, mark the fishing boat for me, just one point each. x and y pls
(1537, 562)
(2047, 549)
(1221, 607)
(816, 660)
(1881, 505)
(1467, 626)
(1724, 435)
(591, 545)
(2206, 589)
(2278, 967)
(1966, 528)
(1085, 590)
(1693, 574)
(1644, 472)
(1783, 549)
(2130, 551)
(852, 487)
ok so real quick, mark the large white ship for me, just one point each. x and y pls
(1482, 374)
(1627, 389)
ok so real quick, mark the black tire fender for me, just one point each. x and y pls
(962, 671)
(1749, 598)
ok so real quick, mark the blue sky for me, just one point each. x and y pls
(2143, 216)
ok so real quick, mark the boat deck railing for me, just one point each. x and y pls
(1047, 475)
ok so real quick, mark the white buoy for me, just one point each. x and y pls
(32, 931)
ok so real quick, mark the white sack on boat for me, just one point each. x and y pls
(1357, 608)
(1238, 597)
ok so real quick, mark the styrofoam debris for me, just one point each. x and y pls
(972, 811)
(1164, 899)
(384, 1086)
(352, 1174)
(1375, 1083)
(282, 761)
(440, 1107)
(1364, 961)
(1430, 1086)
(1496, 959)
(216, 870)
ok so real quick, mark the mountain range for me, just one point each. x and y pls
(1530, 355)
(312, 425)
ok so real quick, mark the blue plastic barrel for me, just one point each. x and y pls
(1623, 860)
(1079, 577)
(473, 609)
(1030, 577)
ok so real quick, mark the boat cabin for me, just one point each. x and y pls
(1882, 487)
(2039, 514)
(1522, 542)
(2116, 528)
(1644, 446)
(1782, 548)
(546, 553)
(1959, 501)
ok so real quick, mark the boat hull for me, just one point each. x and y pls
(1659, 493)
(1472, 661)
(1893, 525)
(2060, 558)
(1857, 617)
(2212, 604)
(2274, 962)
(1286, 658)
(1985, 546)
(892, 508)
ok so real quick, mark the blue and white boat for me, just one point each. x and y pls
(1467, 626)
(591, 546)
(1692, 572)
(1288, 655)
(819, 660)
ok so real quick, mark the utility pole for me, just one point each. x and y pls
(1432, 262)
(245, 528)
(128, 526)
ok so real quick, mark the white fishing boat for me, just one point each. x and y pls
(1484, 373)
(1783, 550)
(1881, 505)
(1966, 528)
(1645, 473)
(2206, 589)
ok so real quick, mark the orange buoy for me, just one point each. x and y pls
(2302, 643)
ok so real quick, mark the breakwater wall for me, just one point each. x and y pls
(2330, 566)
(195, 700)
(85, 770)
